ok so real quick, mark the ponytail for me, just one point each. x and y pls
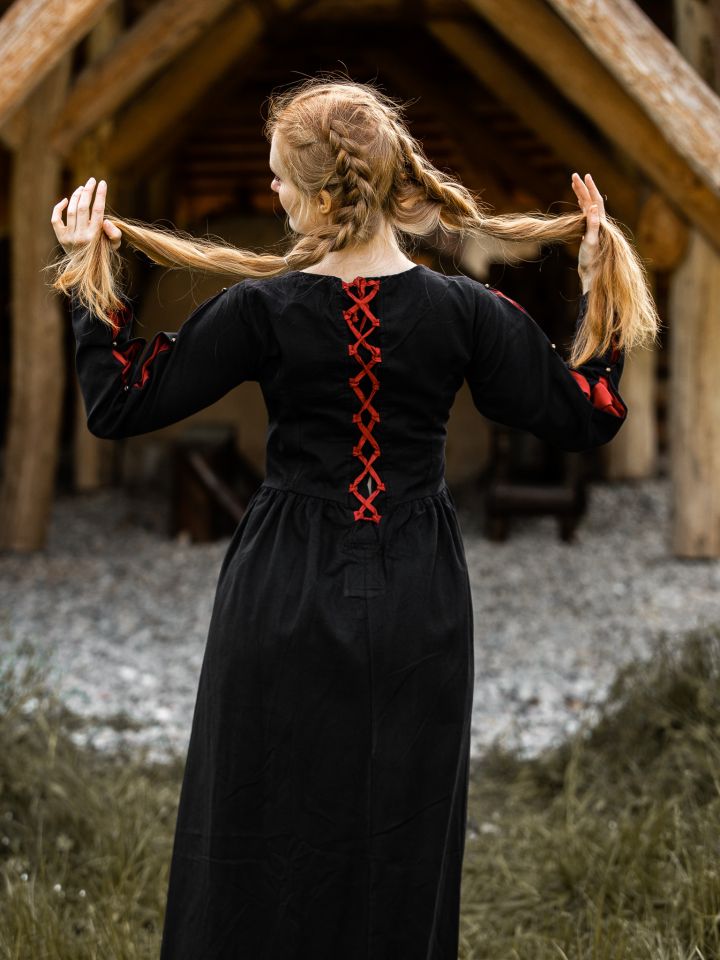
(350, 139)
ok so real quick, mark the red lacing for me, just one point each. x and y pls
(367, 289)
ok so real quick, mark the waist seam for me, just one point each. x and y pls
(388, 500)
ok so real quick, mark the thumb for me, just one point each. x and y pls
(111, 230)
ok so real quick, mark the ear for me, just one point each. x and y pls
(325, 201)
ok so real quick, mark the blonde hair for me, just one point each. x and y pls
(351, 139)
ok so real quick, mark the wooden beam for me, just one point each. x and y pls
(158, 37)
(694, 361)
(482, 150)
(149, 118)
(37, 376)
(92, 457)
(34, 35)
(473, 48)
(695, 402)
(532, 27)
(651, 69)
(471, 140)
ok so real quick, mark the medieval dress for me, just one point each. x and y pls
(323, 807)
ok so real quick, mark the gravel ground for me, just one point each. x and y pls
(118, 614)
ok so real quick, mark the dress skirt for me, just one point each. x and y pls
(323, 806)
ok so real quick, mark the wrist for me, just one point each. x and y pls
(586, 281)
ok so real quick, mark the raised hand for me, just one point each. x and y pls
(591, 204)
(82, 225)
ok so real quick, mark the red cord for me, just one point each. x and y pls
(367, 289)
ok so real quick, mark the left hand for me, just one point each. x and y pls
(82, 224)
(591, 204)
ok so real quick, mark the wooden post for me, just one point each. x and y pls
(694, 362)
(661, 238)
(37, 376)
(695, 401)
(632, 454)
(92, 457)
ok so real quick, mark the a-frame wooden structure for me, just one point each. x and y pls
(513, 95)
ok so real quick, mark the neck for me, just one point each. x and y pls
(380, 255)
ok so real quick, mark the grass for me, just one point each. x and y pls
(607, 848)
(85, 838)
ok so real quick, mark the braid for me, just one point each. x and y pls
(444, 200)
(356, 218)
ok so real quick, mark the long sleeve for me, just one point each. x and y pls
(130, 386)
(517, 378)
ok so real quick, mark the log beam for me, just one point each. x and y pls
(542, 36)
(157, 38)
(652, 70)
(153, 117)
(466, 132)
(695, 402)
(482, 59)
(92, 457)
(37, 373)
(34, 36)
(694, 362)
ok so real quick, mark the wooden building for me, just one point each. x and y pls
(164, 98)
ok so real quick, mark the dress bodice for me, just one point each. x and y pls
(358, 377)
(360, 386)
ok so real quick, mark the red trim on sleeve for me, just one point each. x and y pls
(158, 347)
(499, 293)
(600, 396)
(127, 357)
(605, 400)
(582, 381)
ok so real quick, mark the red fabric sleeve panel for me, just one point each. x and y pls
(582, 381)
(604, 399)
(601, 396)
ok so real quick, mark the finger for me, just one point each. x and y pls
(112, 231)
(592, 226)
(56, 218)
(83, 207)
(98, 210)
(72, 208)
(581, 191)
(597, 197)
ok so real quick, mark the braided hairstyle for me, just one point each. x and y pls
(351, 140)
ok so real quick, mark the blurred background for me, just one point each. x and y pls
(580, 563)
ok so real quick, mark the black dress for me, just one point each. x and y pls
(323, 806)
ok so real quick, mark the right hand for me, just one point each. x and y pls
(82, 226)
(591, 204)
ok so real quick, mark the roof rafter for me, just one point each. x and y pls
(34, 36)
(657, 76)
(153, 41)
(547, 41)
(570, 144)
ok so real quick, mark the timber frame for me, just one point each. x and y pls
(532, 90)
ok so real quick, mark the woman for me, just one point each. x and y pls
(323, 806)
